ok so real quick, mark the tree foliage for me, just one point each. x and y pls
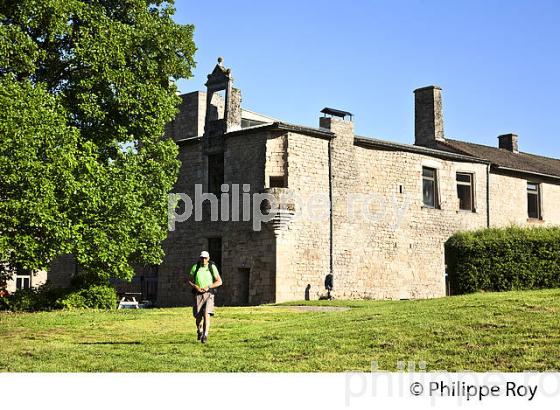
(86, 89)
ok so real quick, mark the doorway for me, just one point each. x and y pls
(244, 275)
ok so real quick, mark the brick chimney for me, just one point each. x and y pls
(428, 116)
(509, 142)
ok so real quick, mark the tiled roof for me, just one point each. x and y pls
(395, 146)
(502, 158)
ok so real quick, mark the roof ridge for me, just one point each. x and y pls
(539, 156)
(455, 148)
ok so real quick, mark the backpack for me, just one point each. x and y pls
(211, 265)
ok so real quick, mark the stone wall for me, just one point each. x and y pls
(398, 252)
(508, 201)
(303, 248)
(385, 243)
(243, 249)
(276, 158)
(189, 121)
(61, 271)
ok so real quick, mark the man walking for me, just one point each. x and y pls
(204, 278)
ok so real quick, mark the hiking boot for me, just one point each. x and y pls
(203, 339)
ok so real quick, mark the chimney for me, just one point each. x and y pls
(428, 116)
(509, 142)
(340, 123)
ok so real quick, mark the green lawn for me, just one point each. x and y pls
(512, 331)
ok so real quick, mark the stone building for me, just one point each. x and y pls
(375, 214)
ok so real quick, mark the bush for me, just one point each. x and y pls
(4, 303)
(29, 300)
(96, 296)
(503, 259)
(23, 300)
(48, 297)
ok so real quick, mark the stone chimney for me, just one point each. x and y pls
(340, 123)
(342, 129)
(428, 116)
(509, 142)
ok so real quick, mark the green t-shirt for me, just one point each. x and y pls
(203, 277)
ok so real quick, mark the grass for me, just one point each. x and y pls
(510, 331)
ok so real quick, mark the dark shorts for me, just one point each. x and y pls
(203, 303)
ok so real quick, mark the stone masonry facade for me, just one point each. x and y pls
(352, 207)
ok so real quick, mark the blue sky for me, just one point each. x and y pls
(498, 63)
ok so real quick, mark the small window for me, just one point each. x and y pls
(277, 182)
(215, 173)
(533, 200)
(429, 187)
(23, 282)
(465, 191)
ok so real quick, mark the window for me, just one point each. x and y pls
(429, 187)
(23, 282)
(533, 200)
(215, 173)
(215, 251)
(465, 191)
(276, 182)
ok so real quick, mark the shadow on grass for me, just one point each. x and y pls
(151, 343)
(111, 343)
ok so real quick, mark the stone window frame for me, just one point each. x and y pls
(473, 189)
(538, 193)
(437, 195)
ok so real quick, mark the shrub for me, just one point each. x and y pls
(28, 300)
(48, 297)
(24, 300)
(96, 296)
(4, 303)
(503, 259)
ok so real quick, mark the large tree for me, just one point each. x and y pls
(86, 88)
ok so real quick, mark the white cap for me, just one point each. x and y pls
(204, 254)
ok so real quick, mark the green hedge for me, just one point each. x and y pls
(503, 259)
(95, 296)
